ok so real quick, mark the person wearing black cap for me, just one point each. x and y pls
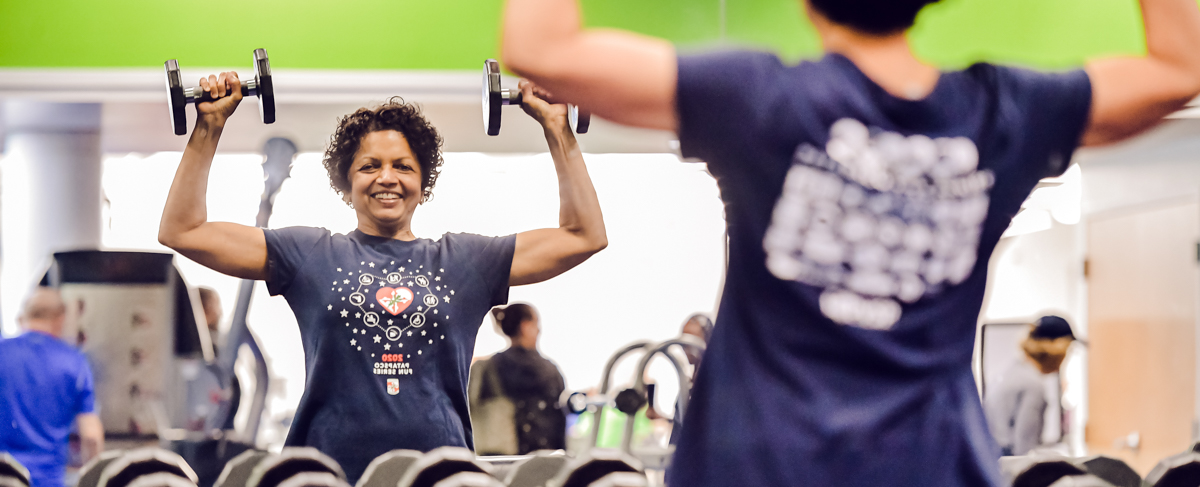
(1015, 411)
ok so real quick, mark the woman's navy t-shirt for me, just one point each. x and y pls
(388, 328)
(860, 228)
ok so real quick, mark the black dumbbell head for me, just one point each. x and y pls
(273, 470)
(629, 401)
(6, 481)
(89, 474)
(1112, 470)
(314, 479)
(537, 469)
(12, 469)
(237, 470)
(439, 464)
(469, 479)
(386, 470)
(140, 462)
(492, 102)
(1081, 481)
(1176, 471)
(266, 87)
(601, 465)
(176, 102)
(161, 479)
(579, 118)
(1038, 470)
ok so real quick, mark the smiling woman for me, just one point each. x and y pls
(388, 321)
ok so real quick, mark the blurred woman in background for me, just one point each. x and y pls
(532, 382)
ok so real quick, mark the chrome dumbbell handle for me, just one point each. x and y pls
(197, 94)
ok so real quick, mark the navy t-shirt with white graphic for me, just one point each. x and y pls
(389, 329)
(860, 227)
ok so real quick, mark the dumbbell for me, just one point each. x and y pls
(294, 466)
(141, 467)
(495, 98)
(1176, 471)
(1081, 481)
(1046, 470)
(601, 468)
(261, 86)
(447, 466)
(12, 473)
(537, 470)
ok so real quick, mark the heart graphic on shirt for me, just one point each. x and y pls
(394, 299)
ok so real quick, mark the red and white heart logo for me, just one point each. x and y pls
(394, 299)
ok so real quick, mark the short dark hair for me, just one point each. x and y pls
(396, 115)
(872, 16)
(511, 317)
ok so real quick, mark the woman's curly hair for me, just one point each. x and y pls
(396, 115)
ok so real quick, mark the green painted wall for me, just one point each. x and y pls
(459, 34)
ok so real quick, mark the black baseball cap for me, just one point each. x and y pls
(1051, 327)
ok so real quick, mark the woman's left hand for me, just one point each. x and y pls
(534, 102)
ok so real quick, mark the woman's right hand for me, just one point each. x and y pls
(226, 89)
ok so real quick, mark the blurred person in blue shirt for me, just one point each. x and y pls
(45, 387)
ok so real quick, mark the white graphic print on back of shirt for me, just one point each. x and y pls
(877, 219)
(379, 313)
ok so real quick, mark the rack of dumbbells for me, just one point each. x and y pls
(1041, 470)
(306, 467)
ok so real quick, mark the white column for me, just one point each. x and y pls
(50, 194)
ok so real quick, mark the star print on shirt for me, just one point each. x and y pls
(345, 281)
(353, 342)
(330, 308)
(410, 333)
(371, 265)
(387, 346)
(345, 313)
(377, 338)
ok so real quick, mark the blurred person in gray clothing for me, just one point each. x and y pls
(1015, 410)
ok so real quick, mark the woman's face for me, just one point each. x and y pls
(530, 328)
(385, 182)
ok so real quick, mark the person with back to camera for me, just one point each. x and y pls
(388, 320)
(45, 387)
(864, 194)
(532, 382)
(1016, 408)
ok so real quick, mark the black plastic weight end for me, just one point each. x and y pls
(266, 87)
(176, 103)
(492, 102)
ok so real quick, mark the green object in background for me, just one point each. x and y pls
(459, 34)
(613, 427)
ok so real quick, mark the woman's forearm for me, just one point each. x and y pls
(186, 206)
(579, 208)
